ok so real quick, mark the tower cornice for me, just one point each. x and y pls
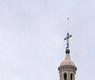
(67, 68)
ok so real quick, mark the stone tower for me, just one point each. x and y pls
(67, 68)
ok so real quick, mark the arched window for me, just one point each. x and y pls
(71, 77)
(65, 76)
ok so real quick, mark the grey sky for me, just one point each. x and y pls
(32, 35)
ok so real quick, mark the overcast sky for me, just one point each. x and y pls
(32, 35)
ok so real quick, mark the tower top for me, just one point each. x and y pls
(67, 68)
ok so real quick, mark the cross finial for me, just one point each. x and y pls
(67, 39)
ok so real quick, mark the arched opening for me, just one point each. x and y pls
(65, 76)
(71, 77)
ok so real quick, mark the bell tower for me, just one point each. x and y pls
(67, 68)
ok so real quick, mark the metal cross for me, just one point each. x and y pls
(67, 39)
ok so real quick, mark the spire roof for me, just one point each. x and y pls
(67, 60)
